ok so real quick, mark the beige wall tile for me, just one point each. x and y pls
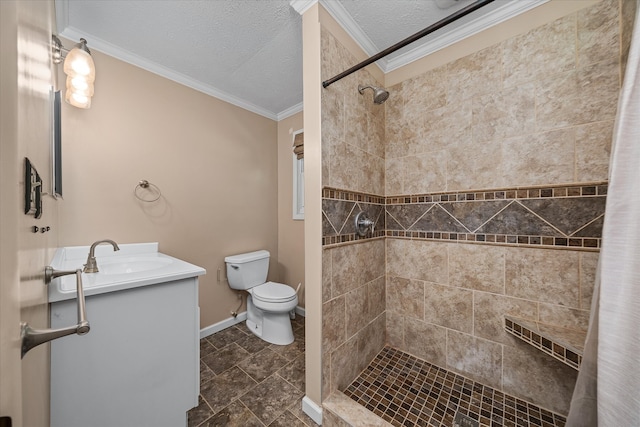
(542, 158)
(326, 275)
(477, 267)
(588, 268)
(371, 341)
(430, 260)
(534, 376)
(585, 95)
(475, 358)
(593, 149)
(373, 168)
(446, 127)
(345, 269)
(505, 113)
(344, 367)
(425, 341)
(394, 177)
(356, 264)
(375, 132)
(599, 33)
(333, 323)
(546, 50)
(371, 258)
(471, 166)
(425, 173)
(333, 112)
(449, 307)
(544, 275)
(628, 13)
(357, 310)
(376, 291)
(395, 329)
(489, 311)
(356, 125)
(405, 297)
(558, 315)
(475, 74)
(426, 91)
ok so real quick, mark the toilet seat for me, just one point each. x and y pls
(273, 292)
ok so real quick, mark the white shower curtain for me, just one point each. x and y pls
(607, 392)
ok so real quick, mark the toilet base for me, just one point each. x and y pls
(274, 328)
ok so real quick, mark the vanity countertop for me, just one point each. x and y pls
(134, 265)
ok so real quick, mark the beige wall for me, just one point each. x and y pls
(216, 165)
(25, 132)
(290, 231)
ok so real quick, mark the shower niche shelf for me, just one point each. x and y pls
(563, 344)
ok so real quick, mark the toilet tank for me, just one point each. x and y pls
(244, 271)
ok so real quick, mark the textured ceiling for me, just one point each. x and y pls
(249, 52)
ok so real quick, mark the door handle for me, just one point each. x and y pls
(34, 337)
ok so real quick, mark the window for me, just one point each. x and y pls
(298, 182)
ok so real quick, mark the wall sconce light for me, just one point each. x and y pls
(80, 71)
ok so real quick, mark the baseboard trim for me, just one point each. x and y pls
(314, 411)
(224, 324)
(230, 321)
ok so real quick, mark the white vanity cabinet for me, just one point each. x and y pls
(139, 364)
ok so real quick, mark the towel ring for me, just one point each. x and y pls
(145, 185)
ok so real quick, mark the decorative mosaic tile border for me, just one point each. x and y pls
(560, 216)
(404, 390)
(552, 341)
(592, 189)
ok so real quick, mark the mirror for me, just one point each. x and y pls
(56, 145)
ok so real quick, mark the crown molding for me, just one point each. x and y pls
(289, 112)
(500, 14)
(134, 59)
(301, 6)
(340, 14)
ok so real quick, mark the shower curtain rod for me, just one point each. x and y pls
(430, 29)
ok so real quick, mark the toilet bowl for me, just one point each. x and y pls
(269, 304)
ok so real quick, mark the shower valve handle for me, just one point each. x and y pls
(364, 224)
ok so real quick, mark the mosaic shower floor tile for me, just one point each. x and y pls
(406, 391)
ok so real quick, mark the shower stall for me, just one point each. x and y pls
(488, 192)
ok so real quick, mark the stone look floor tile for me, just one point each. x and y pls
(271, 398)
(226, 387)
(287, 419)
(293, 373)
(263, 364)
(225, 337)
(246, 363)
(224, 359)
(200, 413)
(234, 415)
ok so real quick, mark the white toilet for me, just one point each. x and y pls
(268, 304)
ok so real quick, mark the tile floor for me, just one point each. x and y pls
(247, 382)
(406, 391)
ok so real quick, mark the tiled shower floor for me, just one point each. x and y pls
(406, 391)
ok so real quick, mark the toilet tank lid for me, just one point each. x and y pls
(248, 257)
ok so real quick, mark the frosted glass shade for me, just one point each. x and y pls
(81, 73)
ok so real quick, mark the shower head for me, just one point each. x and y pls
(379, 94)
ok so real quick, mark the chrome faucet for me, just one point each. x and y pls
(91, 266)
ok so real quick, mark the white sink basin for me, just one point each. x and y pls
(134, 265)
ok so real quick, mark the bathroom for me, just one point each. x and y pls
(192, 154)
